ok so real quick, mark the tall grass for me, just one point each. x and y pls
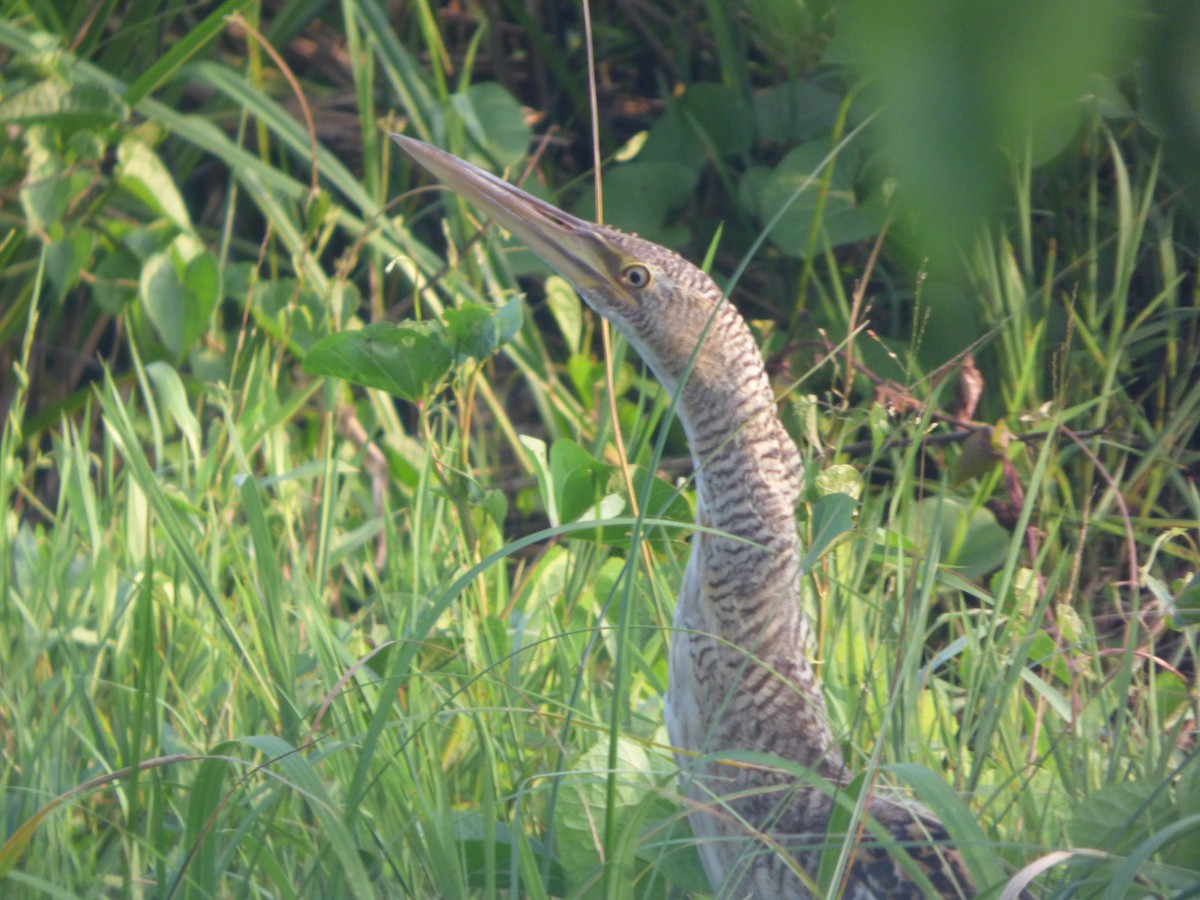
(265, 633)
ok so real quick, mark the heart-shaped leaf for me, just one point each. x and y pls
(407, 360)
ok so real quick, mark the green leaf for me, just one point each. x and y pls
(794, 187)
(144, 175)
(650, 832)
(472, 833)
(407, 360)
(66, 258)
(972, 540)
(720, 113)
(579, 479)
(204, 801)
(582, 801)
(201, 284)
(1117, 816)
(1054, 698)
(936, 795)
(178, 289)
(46, 190)
(69, 106)
(495, 123)
(162, 295)
(567, 310)
(288, 310)
(832, 516)
(585, 372)
(639, 196)
(298, 772)
(840, 479)
(960, 84)
(118, 267)
(661, 500)
(478, 331)
(794, 111)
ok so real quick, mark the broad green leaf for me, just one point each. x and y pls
(793, 191)
(163, 295)
(287, 310)
(508, 320)
(660, 499)
(478, 331)
(46, 189)
(579, 479)
(960, 84)
(972, 541)
(648, 821)
(111, 289)
(832, 516)
(639, 196)
(721, 116)
(794, 112)
(582, 800)
(178, 289)
(142, 173)
(585, 372)
(567, 309)
(407, 360)
(66, 258)
(1118, 815)
(495, 122)
(201, 284)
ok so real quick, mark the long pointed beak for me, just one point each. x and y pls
(577, 249)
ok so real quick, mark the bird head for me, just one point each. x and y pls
(659, 301)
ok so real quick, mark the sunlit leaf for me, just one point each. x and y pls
(146, 177)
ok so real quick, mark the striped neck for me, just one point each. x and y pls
(747, 474)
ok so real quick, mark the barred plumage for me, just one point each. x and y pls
(740, 675)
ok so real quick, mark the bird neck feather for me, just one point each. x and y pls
(747, 474)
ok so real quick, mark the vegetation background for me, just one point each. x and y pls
(264, 632)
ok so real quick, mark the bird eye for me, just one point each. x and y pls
(636, 276)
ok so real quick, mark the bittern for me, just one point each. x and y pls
(740, 674)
